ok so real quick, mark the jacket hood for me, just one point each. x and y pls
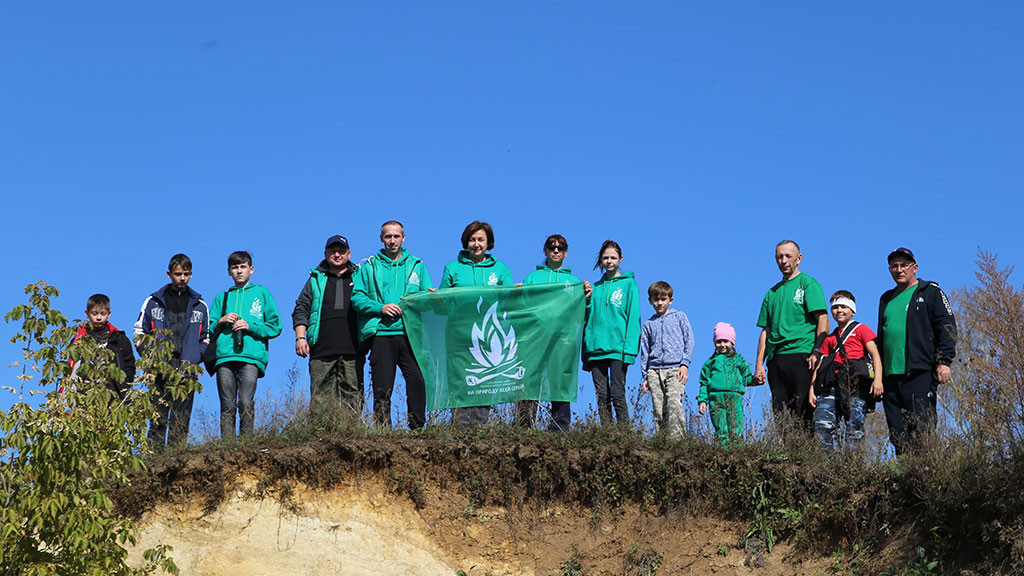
(400, 261)
(193, 296)
(323, 268)
(668, 314)
(562, 270)
(622, 276)
(486, 262)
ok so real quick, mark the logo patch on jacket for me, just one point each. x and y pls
(197, 316)
(492, 280)
(616, 298)
(798, 296)
(414, 279)
(257, 308)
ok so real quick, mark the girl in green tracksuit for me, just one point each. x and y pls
(475, 267)
(723, 381)
(611, 339)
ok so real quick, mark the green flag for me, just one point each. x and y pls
(480, 346)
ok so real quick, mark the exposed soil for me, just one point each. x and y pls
(398, 504)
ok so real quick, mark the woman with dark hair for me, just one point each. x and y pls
(550, 272)
(611, 340)
(475, 267)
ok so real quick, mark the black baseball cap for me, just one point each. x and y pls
(901, 251)
(336, 239)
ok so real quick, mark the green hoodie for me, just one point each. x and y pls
(381, 281)
(545, 275)
(253, 304)
(465, 272)
(613, 320)
(723, 373)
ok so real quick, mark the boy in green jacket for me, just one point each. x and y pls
(242, 322)
(723, 381)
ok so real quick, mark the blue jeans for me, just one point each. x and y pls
(236, 383)
(827, 425)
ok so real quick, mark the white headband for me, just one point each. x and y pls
(843, 301)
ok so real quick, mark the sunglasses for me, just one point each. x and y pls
(556, 248)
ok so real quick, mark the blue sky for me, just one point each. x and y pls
(697, 135)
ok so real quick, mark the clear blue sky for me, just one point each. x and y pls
(695, 134)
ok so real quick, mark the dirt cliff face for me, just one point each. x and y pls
(379, 506)
(363, 527)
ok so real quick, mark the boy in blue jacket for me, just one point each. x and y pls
(666, 349)
(181, 310)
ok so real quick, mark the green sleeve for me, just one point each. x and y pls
(505, 277)
(633, 325)
(270, 326)
(425, 283)
(762, 318)
(361, 299)
(215, 308)
(744, 367)
(447, 281)
(705, 377)
(814, 297)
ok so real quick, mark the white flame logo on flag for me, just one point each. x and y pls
(494, 349)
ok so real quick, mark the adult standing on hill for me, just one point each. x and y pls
(325, 331)
(793, 323)
(917, 339)
(381, 283)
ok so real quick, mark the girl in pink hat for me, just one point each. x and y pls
(723, 381)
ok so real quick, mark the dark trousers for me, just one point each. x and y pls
(910, 407)
(386, 354)
(790, 382)
(610, 384)
(236, 384)
(561, 415)
(170, 414)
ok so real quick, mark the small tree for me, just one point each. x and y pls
(986, 397)
(59, 460)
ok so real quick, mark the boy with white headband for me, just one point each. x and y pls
(840, 388)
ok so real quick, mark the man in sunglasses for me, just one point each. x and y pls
(917, 339)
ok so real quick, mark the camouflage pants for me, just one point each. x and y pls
(667, 400)
(827, 421)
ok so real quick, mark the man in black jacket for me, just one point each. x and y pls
(917, 339)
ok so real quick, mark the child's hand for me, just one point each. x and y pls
(644, 386)
(701, 408)
(228, 319)
(587, 289)
(240, 325)
(876, 386)
(391, 310)
(811, 398)
(759, 375)
(683, 374)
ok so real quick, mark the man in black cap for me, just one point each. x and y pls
(326, 332)
(917, 339)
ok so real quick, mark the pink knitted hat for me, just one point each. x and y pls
(724, 331)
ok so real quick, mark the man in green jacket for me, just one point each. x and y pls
(381, 283)
(325, 331)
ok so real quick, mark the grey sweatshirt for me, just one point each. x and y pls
(666, 342)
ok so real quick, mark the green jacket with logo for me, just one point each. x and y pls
(381, 281)
(545, 275)
(613, 320)
(723, 373)
(253, 304)
(465, 272)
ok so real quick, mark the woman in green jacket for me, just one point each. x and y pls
(475, 267)
(611, 339)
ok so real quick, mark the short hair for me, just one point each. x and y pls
(784, 242)
(557, 238)
(98, 301)
(474, 227)
(239, 257)
(842, 294)
(390, 223)
(659, 289)
(179, 261)
(604, 246)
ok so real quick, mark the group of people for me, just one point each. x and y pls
(345, 311)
